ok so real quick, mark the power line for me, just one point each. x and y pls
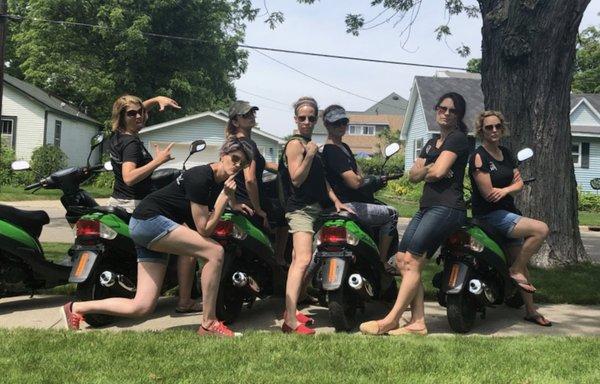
(263, 97)
(191, 39)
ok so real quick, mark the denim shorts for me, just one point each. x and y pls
(428, 229)
(146, 232)
(504, 222)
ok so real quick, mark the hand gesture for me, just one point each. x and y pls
(496, 195)
(229, 187)
(163, 155)
(311, 149)
(164, 101)
(243, 208)
(340, 206)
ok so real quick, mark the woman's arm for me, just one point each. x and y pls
(441, 166)
(418, 171)
(133, 175)
(336, 202)
(161, 101)
(352, 179)
(517, 183)
(206, 221)
(252, 188)
(272, 167)
(298, 163)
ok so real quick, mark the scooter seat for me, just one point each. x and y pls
(117, 211)
(30, 221)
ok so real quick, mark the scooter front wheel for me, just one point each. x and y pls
(461, 312)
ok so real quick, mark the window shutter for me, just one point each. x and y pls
(585, 155)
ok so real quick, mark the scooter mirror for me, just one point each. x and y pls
(96, 140)
(108, 166)
(391, 149)
(197, 146)
(20, 165)
(524, 154)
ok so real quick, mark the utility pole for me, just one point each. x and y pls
(3, 31)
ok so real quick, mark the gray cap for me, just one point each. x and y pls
(334, 115)
(240, 107)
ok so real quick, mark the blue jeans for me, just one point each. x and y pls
(144, 233)
(428, 229)
(504, 222)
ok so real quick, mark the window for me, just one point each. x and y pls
(7, 135)
(352, 129)
(576, 154)
(418, 146)
(57, 133)
(368, 130)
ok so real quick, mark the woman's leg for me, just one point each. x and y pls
(187, 242)
(300, 259)
(186, 269)
(377, 215)
(149, 281)
(534, 232)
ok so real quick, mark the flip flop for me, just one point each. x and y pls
(539, 320)
(524, 285)
(195, 307)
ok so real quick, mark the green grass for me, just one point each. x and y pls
(12, 193)
(33, 356)
(578, 284)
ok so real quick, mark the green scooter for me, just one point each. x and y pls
(475, 274)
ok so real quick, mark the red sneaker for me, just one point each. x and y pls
(302, 318)
(71, 319)
(217, 329)
(301, 329)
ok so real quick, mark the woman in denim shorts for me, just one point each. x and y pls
(495, 179)
(157, 229)
(441, 164)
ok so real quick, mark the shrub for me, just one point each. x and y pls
(47, 159)
(589, 201)
(7, 156)
(104, 179)
(372, 166)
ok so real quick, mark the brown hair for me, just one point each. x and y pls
(118, 111)
(234, 144)
(231, 129)
(306, 100)
(482, 116)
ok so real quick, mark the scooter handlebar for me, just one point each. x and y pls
(33, 186)
(393, 176)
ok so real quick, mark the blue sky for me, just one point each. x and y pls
(321, 28)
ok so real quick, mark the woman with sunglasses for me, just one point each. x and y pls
(249, 186)
(441, 165)
(303, 177)
(157, 229)
(133, 165)
(496, 179)
(349, 184)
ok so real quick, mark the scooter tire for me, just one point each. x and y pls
(342, 309)
(515, 301)
(461, 312)
(229, 303)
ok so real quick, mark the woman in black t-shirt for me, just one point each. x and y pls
(303, 175)
(495, 179)
(156, 229)
(249, 185)
(441, 164)
(349, 184)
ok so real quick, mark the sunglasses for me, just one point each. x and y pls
(249, 114)
(241, 161)
(441, 109)
(340, 123)
(310, 118)
(491, 127)
(135, 112)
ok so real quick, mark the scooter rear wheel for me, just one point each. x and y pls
(342, 309)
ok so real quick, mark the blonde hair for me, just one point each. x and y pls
(483, 115)
(118, 111)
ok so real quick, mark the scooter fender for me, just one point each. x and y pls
(455, 277)
(333, 271)
(85, 260)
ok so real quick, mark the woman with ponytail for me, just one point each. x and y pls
(441, 165)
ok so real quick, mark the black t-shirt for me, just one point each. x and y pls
(501, 173)
(195, 185)
(122, 148)
(448, 191)
(241, 194)
(338, 161)
(313, 189)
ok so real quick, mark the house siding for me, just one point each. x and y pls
(75, 138)
(584, 175)
(584, 116)
(416, 129)
(30, 121)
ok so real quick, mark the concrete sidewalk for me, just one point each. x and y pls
(42, 312)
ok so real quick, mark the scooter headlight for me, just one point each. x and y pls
(475, 245)
(238, 233)
(107, 232)
(351, 238)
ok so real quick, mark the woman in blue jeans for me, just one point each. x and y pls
(441, 164)
(157, 230)
(495, 179)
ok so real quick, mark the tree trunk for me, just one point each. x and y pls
(528, 53)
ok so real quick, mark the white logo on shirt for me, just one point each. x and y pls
(493, 166)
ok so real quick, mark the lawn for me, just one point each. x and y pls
(34, 356)
(12, 193)
(583, 284)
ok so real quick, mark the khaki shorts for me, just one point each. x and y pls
(303, 220)
(126, 204)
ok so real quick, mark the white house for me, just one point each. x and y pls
(208, 126)
(419, 123)
(32, 117)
